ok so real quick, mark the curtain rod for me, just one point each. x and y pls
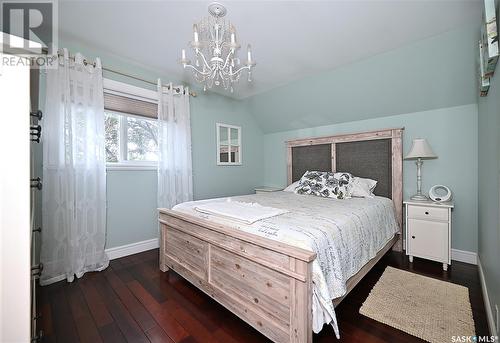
(86, 62)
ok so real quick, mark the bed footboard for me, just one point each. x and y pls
(264, 282)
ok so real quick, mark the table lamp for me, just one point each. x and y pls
(420, 150)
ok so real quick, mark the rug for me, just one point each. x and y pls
(430, 309)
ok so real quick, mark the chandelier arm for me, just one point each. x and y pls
(200, 78)
(231, 52)
(198, 71)
(230, 46)
(225, 80)
(240, 70)
(199, 53)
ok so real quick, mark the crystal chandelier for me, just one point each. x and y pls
(215, 47)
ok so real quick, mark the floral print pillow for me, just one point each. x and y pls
(326, 184)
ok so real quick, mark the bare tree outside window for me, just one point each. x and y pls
(142, 140)
(112, 128)
(130, 139)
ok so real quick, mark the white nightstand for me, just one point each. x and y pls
(266, 189)
(428, 231)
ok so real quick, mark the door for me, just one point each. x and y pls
(15, 232)
(428, 239)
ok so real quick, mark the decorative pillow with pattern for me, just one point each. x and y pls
(326, 184)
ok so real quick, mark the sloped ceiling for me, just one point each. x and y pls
(434, 73)
(291, 39)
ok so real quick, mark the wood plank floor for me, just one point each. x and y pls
(132, 301)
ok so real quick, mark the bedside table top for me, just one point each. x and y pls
(268, 189)
(448, 204)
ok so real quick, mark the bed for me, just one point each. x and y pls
(270, 279)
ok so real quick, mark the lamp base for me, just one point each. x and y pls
(419, 197)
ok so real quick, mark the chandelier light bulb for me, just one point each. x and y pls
(233, 35)
(215, 47)
(184, 60)
(195, 33)
(249, 53)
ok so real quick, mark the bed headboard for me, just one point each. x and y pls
(376, 155)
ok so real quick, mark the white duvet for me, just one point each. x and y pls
(345, 235)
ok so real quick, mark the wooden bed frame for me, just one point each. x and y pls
(264, 282)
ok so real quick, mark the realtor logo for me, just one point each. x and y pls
(30, 27)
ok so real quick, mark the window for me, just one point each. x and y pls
(228, 145)
(131, 139)
(131, 128)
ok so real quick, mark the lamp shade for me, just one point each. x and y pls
(420, 148)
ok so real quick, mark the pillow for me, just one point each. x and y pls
(325, 184)
(291, 187)
(363, 188)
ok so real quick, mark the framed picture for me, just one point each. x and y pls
(489, 38)
(484, 81)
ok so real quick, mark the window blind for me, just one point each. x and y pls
(124, 104)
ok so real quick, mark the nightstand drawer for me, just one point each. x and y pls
(428, 239)
(427, 213)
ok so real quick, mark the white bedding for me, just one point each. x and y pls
(244, 212)
(345, 234)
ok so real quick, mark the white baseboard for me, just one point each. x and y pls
(133, 248)
(464, 256)
(487, 306)
(460, 255)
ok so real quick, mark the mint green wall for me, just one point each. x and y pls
(452, 133)
(131, 195)
(131, 206)
(434, 74)
(489, 190)
(433, 81)
(211, 180)
(438, 72)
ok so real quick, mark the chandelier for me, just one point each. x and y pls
(215, 48)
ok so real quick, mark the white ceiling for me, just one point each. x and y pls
(290, 39)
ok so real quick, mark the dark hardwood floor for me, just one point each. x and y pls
(132, 301)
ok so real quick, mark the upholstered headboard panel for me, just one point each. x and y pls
(370, 159)
(376, 155)
(310, 157)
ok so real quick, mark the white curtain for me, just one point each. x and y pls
(175, 173)
(74, 172)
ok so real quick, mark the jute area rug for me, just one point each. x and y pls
(430, 309)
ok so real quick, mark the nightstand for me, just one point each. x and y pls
(266, 189)
(428, 231)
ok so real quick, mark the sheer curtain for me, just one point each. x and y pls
(74, 172)
(175, 173)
